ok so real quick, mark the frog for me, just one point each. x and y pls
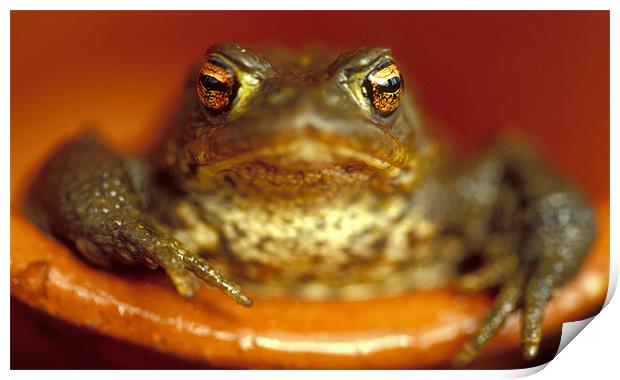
(314, 175)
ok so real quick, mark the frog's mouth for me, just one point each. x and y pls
(302, 155)
(300, 137)
(310, 155)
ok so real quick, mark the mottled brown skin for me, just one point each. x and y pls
(300, 174)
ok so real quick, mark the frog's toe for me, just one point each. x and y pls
(157, 248)
(538, 291)
(506, 302)
(490, 275)
(208, 273)
(182, 280)
(167, 253)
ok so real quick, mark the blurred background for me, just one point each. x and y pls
(545, 73)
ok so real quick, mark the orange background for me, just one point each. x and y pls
(546, 73)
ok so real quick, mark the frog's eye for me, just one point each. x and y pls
(217, 87)
(384, 88)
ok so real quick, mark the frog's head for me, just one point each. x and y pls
(284, 121)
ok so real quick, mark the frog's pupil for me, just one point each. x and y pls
(212, 84)
(391, 85)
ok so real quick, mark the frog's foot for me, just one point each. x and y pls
(139, 241)
(155, 248)
(561, 232)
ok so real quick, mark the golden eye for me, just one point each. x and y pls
(384, 87)
(217, 87)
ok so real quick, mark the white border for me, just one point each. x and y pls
(594, 350)
(313, 5)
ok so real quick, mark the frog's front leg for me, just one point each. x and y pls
(543, 229)
(95, 198)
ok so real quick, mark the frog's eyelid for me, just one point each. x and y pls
(382, 63)
(242, 59)
(362, 60)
